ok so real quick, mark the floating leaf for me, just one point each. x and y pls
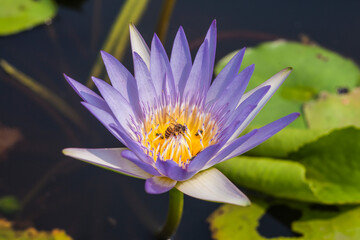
(20, 15)
(8, 233)
(8, 138)
(315, 69)
(9, 204)
(276, 177)
(333, 110)
(233, 222)
(324, 171)
(284, 142)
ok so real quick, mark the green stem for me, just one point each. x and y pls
(164, 19)
(117, 41)
(176, 203)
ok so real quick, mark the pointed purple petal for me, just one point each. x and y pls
(229, 148)
(172, 170)
(275, 82)
(227, 74)
(203, 157)
(212, 185)
(160, 69)
(157, 185)
(235, 89)
(211, 39)
(253, 100)
(263, 134)
(133, 145)
(144, 166)
(117, 103)
(109, 158)
(106, 118)
(122, 80)
(180, 60)
(239, 117)
(199, 74)
(87, 95)
(146, 88)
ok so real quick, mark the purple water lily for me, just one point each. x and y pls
(175, 124)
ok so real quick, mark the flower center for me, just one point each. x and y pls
(177, 133)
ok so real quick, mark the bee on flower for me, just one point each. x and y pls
(175, 123)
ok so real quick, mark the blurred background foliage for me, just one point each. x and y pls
(316, 159)
(303, 182)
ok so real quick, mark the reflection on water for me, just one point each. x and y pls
(92, 203)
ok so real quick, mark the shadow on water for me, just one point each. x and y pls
(92, 203)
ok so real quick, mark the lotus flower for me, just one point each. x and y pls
(175, 124)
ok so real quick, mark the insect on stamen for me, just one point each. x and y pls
(199, 133)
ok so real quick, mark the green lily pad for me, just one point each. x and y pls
(324, 171)
(315, 69)
(284, 142)
(8, 233)
(276, 177)
(333, 110)
(329, 111)
(9, 204)
(234, 222)
(20, 15)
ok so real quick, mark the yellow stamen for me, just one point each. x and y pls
(178, 133)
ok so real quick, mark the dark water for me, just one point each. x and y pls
(92, 203)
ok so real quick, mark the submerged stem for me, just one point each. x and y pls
(43, 92)
(176, 203)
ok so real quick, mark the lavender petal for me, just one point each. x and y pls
(172, 170)
(229, 148)
(180, 60)
(122, 80)
(211, 39)
(275, 83)
(203, 157)
(227, 74)
(160, 69)
(146, 88)
(133, 145)
(235, 89)
(212, 185)
(129, 155)
(121, 109)
(106, 118)
(87, 95)
(263, 134)
(252, 100)
(199, 74)
(157, 185)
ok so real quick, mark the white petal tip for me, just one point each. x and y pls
(66, 151)
(280, 76)
(108, 158)
(287, 70)
(132, 28)
(212, 185)
(244, 203)
(138, 45)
